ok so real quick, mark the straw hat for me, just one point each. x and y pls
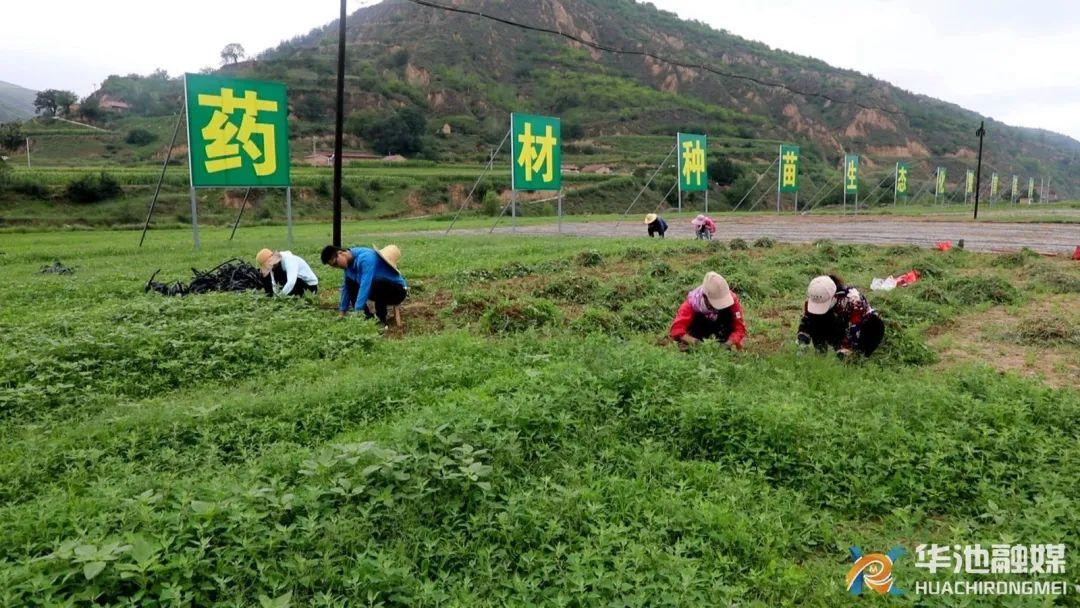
(390, 254)
(698, 221)
(716, 291)
(650, 218)
(266, 260)
(821, 295)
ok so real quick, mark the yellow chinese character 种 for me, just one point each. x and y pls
(901, 179)
(693, 162)
(537, 161)
(223, 151)
(790, 158)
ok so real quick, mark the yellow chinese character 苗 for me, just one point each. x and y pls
(901, 179)
(223, 153)
(540, 161)
(790, 158)
(693, 161)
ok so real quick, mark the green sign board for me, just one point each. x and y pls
(970, 182)
(851, 173)
(535, 152)
(901, 179)
(789, 169)
(993, 185)
(693, 174)
(941, 180)
(238, 132)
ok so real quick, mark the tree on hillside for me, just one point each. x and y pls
(11, 136)
(54, 101)
(232, 53)
(399, 133)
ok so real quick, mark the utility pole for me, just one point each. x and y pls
(27, 152)
(978, 168)
(339, 125)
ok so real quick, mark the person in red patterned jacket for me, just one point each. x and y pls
(838, 316)
(711, 310)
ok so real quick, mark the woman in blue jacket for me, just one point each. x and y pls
(369, 275)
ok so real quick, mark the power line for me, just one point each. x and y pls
(646, 53)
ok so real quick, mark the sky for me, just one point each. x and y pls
(1010, 60)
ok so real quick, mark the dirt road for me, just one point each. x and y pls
(987, 236)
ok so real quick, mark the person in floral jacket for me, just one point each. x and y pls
(838, 316)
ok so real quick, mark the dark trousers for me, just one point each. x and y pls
(383, 293)
(871, 334)
(659, 231)
(299, 288)
(703, 329)
(703, 234)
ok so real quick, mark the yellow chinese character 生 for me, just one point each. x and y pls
(693, 161)
(223, 152)
(901, 179)
(537, 161)
(790, 158)
(852, 175)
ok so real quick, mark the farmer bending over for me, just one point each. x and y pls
(704, 227)
(711, 310)
(838, 316)
(656, 225)
(285, 273)
(369, 275)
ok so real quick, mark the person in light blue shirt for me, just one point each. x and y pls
(369, 275)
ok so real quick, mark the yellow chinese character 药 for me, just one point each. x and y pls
(693, 162)
(535, 160)
(901, 179)
(790, 158)
(226, 139)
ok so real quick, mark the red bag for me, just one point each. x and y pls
(907, 278)
(1076, 254)
(943, 245)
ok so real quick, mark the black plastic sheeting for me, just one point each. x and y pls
(232, 275)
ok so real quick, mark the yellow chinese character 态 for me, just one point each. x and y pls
(223, 151)
(693, 161)
(537, 161)
(790, 158)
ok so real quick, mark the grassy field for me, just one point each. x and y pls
(525, 438)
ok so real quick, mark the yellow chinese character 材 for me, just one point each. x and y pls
(537, 161)
(223, 151)
(852, 175)
(790, 158)
(693, 162)
(901, 179)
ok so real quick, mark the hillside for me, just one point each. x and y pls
(471, 73)
(16, 103)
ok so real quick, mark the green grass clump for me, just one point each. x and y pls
(590, 258)
(519, 315)
(978, 290)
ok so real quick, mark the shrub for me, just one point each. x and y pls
(140, 137)
(738, 244)
(92, 188)
(765, 242)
